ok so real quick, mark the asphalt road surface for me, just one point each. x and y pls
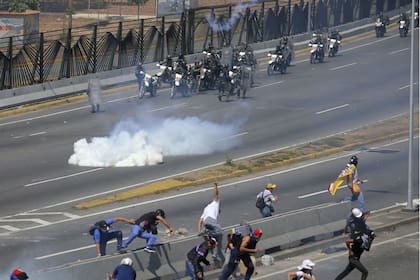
(366, 83)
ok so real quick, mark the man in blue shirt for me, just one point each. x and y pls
(102, 233)
(125, 270)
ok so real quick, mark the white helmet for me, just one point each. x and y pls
(356, 212)
(127, 261)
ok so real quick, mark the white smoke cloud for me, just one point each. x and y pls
(131, 145)
(238, 9)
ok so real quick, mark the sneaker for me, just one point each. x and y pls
(122, 251)
(150, 250)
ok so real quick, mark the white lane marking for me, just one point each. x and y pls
(17, 137)
(36, 221)
(267, 85)
(168, 107)
(10, 228)
(343, 66)
(65, 252)
(63, 177)
(332, 109)
(68, 215)
(232, 136)
(407, 86)
(38, 133)
(398, 51)
(333, 256)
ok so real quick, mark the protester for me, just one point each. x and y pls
(124, 271)
(304, 272)
(248, 247)
(353, 183)
(234, 241)
(102, 232)
(267, 199)
(209, 223)
(146, 227)
(18, 274)
(196, 256)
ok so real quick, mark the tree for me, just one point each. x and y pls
(138, 3)
(23, 5)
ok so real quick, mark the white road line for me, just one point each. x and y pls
(332, 109)
(333, 256)
(267, 85)
(343, 66)
(64, 252)
(17, 137)
(232, 136)
(10, 228)
(63, 177)
(38, 133)
(407, 86)
(317, 193)
(398, 51)
(36, 221)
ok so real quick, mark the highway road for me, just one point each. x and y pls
(366, 83)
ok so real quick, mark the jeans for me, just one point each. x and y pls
(266, 211)
(138, 231)
(353, 263)
(108, 235)
(246, 259)
(231, 266)
(216, 231)
(189, 271)
(359, 198)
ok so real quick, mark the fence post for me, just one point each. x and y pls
(162, 34)
(191, 30)
(183, 33)
(211, 28)
(248, 25)
(230, 28)
(262, 22)
(95, 48)
(141, 35)
(41, 57)
(67, 54)
(289, 16)
(119, 40)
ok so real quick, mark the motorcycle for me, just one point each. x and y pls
(206, 80)
(276, 63)
(232, 85)
(165, 75)
(317, 52)
(416, 19)
(181, 85)
(333, 45)
(380, 28)
(403, 28)
(149, 84)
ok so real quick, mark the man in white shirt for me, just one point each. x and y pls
(209, 222)
(269, 199)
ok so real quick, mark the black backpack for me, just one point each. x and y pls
(260, 203)
(96, 226)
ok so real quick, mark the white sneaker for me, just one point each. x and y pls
(150, 250)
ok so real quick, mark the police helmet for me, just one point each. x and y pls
(160, 212)
(127, 261)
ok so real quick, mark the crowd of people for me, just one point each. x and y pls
(240, 247)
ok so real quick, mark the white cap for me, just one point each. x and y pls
(356, 212)
(127, 261)
(306, 264)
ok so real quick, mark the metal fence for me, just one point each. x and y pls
(57, 55)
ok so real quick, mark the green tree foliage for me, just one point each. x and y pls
(23, 5)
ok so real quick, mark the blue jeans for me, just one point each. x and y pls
(138, 231)
(359, 198)
(231, 266)
(266, 211)
(189, 271)
(246, 259)
(108, 235)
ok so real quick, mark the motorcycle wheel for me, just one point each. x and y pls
(283, 69)
(270, 69)
(312, 58)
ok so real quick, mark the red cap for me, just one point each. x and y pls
(17, 271)
(258, 232)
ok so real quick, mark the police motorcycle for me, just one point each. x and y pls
(231, 84)
(245, 56)
(380, 27)
(277, 63)
(206, 79)
(416, 18)
(165, 73)
(334, 41)
(181, 83)
(403, 24)
(317, 49)
(149, 84)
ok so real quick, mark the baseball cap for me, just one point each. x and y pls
(306, 264)
(271, 186)
(22, 276)
(257, 232)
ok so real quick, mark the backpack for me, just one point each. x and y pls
(260, 203)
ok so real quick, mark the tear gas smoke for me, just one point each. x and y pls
(131, 145)
(236, 14)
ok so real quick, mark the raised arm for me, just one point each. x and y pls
(216, 192)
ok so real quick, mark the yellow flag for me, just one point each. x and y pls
(332, 188)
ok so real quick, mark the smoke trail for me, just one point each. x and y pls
(131, 145)
(236, 14)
